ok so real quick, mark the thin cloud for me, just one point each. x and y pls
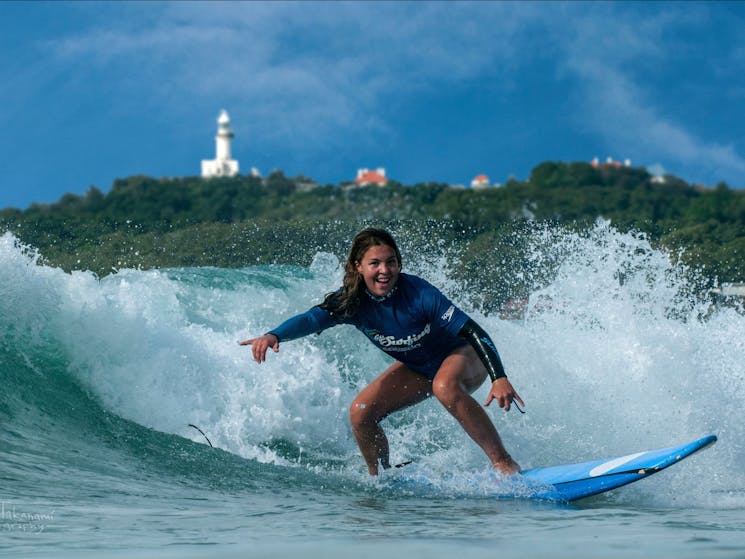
(241, 60)
(307, 76)
(616, 102)
(308, 73)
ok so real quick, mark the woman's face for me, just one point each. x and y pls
(379, 268)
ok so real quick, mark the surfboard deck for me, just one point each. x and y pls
(570, 482)
(565, 482)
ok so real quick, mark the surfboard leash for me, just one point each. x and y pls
(205, 436)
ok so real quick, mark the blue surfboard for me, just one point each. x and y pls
(564, 483)
(570, 482)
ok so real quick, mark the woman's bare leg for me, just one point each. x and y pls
(460, 374)
(396, 388)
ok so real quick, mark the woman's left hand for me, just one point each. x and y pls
(501, 390)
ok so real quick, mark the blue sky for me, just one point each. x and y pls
(432, 91)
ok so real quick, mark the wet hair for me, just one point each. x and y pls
(345, 301)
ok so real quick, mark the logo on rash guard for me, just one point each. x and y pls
(489, 343)
(391, 343)
(448, 314)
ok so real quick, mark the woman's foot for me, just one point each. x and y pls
(507, 466)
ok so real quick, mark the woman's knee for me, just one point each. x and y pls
(446, 389)
(361, 413)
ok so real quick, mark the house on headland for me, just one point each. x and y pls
(366, 176)
(609, 162)
(480, 181)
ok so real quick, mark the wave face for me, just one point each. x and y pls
(617, 352)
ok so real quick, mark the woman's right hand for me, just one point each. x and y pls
(260, 345)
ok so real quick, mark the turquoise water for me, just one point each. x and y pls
(102, 377)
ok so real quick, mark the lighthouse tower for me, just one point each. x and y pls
(222, 165)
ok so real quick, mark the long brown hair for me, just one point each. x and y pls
(345, 301)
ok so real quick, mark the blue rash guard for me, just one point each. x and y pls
(415, 324)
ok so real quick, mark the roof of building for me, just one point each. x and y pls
(371, 177)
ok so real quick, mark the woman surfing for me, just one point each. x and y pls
(438, 349)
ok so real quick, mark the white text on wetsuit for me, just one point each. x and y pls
(393, 344)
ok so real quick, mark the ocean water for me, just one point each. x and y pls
(102, 379)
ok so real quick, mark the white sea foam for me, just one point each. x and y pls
(615, 355)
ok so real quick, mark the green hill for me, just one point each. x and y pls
(234, 222)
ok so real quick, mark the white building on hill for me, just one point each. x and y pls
(222, 165)
(609, 162)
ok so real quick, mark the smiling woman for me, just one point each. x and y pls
(379, 269)
(438, 349)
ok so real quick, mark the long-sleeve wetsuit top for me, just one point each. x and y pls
(415, 324)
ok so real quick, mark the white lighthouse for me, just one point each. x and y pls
(222, 165)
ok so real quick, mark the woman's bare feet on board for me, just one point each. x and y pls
(507, 466)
